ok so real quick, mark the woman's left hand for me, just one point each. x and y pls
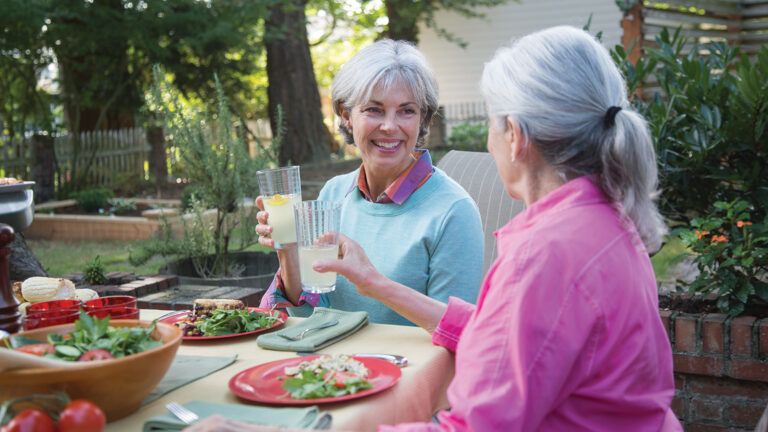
(354, 265)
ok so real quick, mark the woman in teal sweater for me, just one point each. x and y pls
(418, 226)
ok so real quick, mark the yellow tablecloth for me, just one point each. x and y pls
(419, 393)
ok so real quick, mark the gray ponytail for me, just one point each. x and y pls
(558, 84)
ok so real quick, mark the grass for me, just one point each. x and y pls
(672, 253)
(63, 257)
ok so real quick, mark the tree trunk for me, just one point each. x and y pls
(403, 18)
(44, 169)
(157, 162)
(22, 262)
(292, 85)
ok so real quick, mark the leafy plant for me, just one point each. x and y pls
(94, 272)
(120, 206)
(213, 151)
(732, 255)
(470, 136)
(93, 200)
(709, 122)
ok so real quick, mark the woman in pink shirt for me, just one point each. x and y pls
(566, 334)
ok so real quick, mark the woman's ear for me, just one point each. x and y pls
(514, 138)
(345, 117)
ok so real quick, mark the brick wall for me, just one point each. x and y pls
(721, 370)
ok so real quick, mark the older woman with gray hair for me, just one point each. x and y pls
(416, 224)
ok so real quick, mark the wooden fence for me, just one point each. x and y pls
(112, 157)
(742, 23)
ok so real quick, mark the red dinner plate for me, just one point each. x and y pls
(182, 315)
(262, 383)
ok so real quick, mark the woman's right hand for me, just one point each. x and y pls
(354, 265)
(262, 228)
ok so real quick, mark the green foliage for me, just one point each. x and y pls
(188, 195)
(470, 136)
(121, 206)
(709, 123)
(214, 155)
(732, 255)
(93, 200)
(94, 272)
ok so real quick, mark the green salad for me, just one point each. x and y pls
(92, 339)
(227, 321)
(326, 376)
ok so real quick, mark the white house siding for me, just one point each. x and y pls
(458, 70)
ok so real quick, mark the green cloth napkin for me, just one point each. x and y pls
(297, 418)
(186, 369)
(349, 323)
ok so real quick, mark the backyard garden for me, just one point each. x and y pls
(145, 161)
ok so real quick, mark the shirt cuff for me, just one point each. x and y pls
(451, 325)
(275, 296)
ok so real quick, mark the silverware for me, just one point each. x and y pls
(182, 413)
(301, 335)
(397, 360)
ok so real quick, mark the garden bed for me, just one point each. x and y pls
(56, 220)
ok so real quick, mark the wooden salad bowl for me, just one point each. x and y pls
(117, 386)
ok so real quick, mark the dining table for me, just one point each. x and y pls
(417, 396)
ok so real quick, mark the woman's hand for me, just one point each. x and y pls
(354, 265)
(262, 228)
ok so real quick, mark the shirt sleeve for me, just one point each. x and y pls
(525, 349)
(452, 323)
(275, 296)
(456, 259)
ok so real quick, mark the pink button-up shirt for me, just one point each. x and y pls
(566, 334)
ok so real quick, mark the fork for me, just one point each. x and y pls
(301, 335)
(182, 413)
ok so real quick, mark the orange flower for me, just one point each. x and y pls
(742, 224)
(719, 239)
(701, 234)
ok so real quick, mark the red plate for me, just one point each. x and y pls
(262, 384)
(182, 315)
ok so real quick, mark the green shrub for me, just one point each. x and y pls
(94, 272)
(469, 136)
(709, 122)
(187, 196)
(121, 206)
(92, 200)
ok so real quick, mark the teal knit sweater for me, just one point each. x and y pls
(432, 243)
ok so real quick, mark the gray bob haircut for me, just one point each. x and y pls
(384, 64)
(558, 85)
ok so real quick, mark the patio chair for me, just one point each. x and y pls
(476, 173)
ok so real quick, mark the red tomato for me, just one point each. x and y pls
(30, 420)
(96, 354)
(341, 378)
(40, 349)
(82, 416)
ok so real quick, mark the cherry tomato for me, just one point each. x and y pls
(40, 349)
(30, 420)
(82, 416)
(96, 354)
(340, 378)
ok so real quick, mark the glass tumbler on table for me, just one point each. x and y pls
(317, 223)
(280, 189)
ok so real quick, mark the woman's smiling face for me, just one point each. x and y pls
(385, 129)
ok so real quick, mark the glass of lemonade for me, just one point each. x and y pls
(280, 189)
(317, 223)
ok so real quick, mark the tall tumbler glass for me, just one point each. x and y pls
(280, 189)
(317, 223)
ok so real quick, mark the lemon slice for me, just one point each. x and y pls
(277, 200)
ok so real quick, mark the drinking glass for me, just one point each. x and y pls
(281, 189)
(317, 224)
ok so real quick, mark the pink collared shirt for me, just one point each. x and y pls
(566, 334)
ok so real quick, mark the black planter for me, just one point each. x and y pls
(259, 270)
